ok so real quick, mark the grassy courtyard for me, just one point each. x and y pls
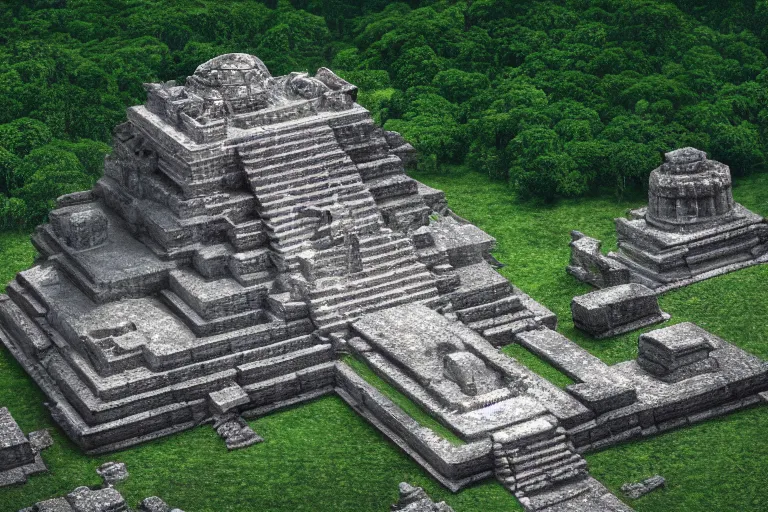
(322, 457)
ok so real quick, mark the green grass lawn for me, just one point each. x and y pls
(322, 457)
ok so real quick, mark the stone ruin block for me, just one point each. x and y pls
(603, 396)
(588, 264)
(19, 455)
(85, 499)
(15, 449)
(112, 473)
(616, 310)
(677, 352)
(415, 499)
(640, 489)
(100, 499)
(80, 226)
(227, 399)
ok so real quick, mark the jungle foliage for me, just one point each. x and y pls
(561, 97)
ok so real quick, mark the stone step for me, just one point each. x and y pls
(402, 203)
(532, 475)
(263, 277)
(351, 199)
(282, 131)
(291, 222)
(497, 321)
(203, 327)
(389, 298)
(562, 495)
(275, 134)
(309, 164)
(367, 151)
(293, 154)
(509, 304)
(386, 264)
(370, 282)
(310, 190)
(215, 298)
(542, 445)
(298, 173)
(359, 130)
(374, 244)
(290, 246)
(392, 186)
(284, 307)
(334, 322)
(293, 240)
(288, 185)
(387, 166)
(293, 235)
(504, 334)
(247, 235)
(401, 253)
(211, 261)
(285, 144)
(465, 298)
(266, 369)
(541, 460)
(248, 262)
(529, 455)
(25, 299)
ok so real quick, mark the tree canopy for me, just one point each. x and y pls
(560, 98)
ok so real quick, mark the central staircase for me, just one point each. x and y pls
(538, 464)
(389, 275)
(289, 170)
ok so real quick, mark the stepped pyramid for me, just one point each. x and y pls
(242, 223)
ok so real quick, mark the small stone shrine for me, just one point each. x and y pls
(691, 229)
(19, 455)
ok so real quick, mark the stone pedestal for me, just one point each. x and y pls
(676, 353)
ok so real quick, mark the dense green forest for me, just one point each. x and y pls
(559, 98)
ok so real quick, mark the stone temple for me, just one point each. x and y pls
(691, 229)
(251, 230)
(242, 220)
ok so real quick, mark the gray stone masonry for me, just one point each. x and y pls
(676, 353)
(415, 499)
(19, 455)
(616, 310)
(683, 375)
(102, 499)
(250, 229)
(242, 223)
(640, 489)
(112, 473)
(692, 229)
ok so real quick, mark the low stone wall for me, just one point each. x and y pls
(455, 466)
